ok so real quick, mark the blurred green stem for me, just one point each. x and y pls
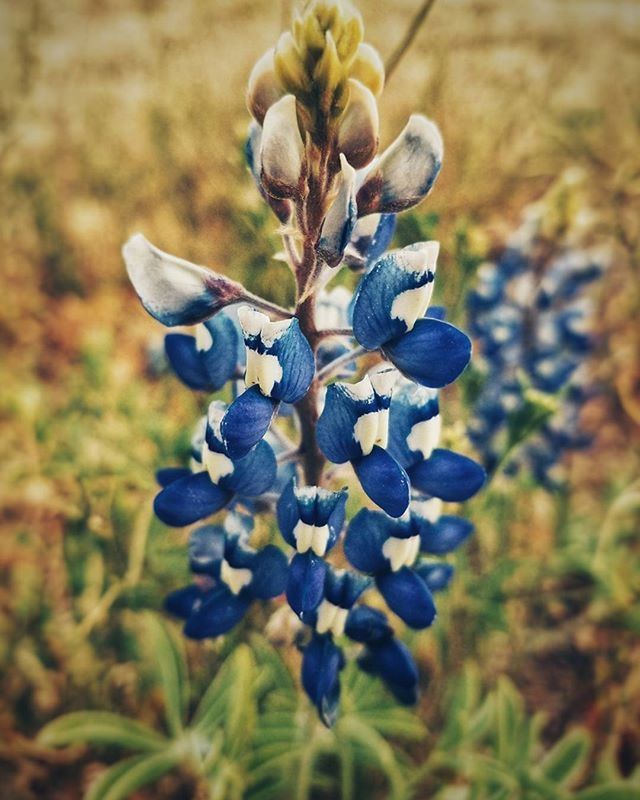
(137, 550)
(407, 40)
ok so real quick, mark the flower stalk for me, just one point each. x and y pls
(312, 149)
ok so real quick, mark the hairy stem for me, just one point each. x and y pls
(310, 212)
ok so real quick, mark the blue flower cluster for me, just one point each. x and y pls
(358, 372)
(531, 319)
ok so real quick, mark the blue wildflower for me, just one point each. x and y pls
(215, 478)
(232, 576)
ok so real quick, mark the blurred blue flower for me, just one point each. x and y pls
(532, 321)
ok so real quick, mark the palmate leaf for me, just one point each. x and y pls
(564, 763)
(172, 671)
(120, 781)
(101, 727)
(357, 732)
(229, 700)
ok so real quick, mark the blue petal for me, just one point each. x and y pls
(285, 342)
(305, 586)
(409, 406)
(175, 291)
(408, 596)
(433, 354)
(206, 549)
(381, 238)
(365, 625)
(269, 573)
(322, 661)
(298, 365)
(448, 475)
(340, 219)
(221, 358)
(443, 536)
(287, 513)
(186, 361)
(397, 272)
(219, 611)
(366, 535)
(246, 421)
(189, 499)
(343, 588)
(253, 474)
(384, 481)
(170, 474)
(392, 662)
(437, 576)
(336, 424)
(182, 602)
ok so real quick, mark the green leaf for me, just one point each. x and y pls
(609, 791)
(172, 671)
(356, 731)
(230, 700)
(564, 763)
(101, 727)
(511, 721)
(126, 777)
(103, 783)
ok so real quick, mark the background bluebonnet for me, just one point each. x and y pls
(531, 314)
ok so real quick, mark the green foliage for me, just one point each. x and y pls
(210, 744)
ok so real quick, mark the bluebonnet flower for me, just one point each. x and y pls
(208, 359)
(531, 321)
(231, 576)
(310, 519)
(280, 368)
(354, 427)
(313, 153)
(389, 314)
(215, 478)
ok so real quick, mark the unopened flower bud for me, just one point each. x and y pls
(341, 218)
(368, 68)
(264, 88)
(289, 65)
(282, 149)
(358, 136)
(406, 170)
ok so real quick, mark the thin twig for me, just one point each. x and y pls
(266, 305)
(345, 358)
(288, 455)
(406, 41)
(325, 332)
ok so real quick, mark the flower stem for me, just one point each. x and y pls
(345, 358)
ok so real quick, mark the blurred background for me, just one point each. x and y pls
(126, 115)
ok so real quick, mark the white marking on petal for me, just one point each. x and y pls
(425, 435)
(383, 379)
(251, 320)
(362, 390)
(331, 618)
(217, 464)
(311, 537)
(366, 431)
(410, 305)
(264, 370)
(401, 552)
(204, 339)
(430, 509)
(236, 579)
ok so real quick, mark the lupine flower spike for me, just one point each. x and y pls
(532, 317)
(360, 371)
